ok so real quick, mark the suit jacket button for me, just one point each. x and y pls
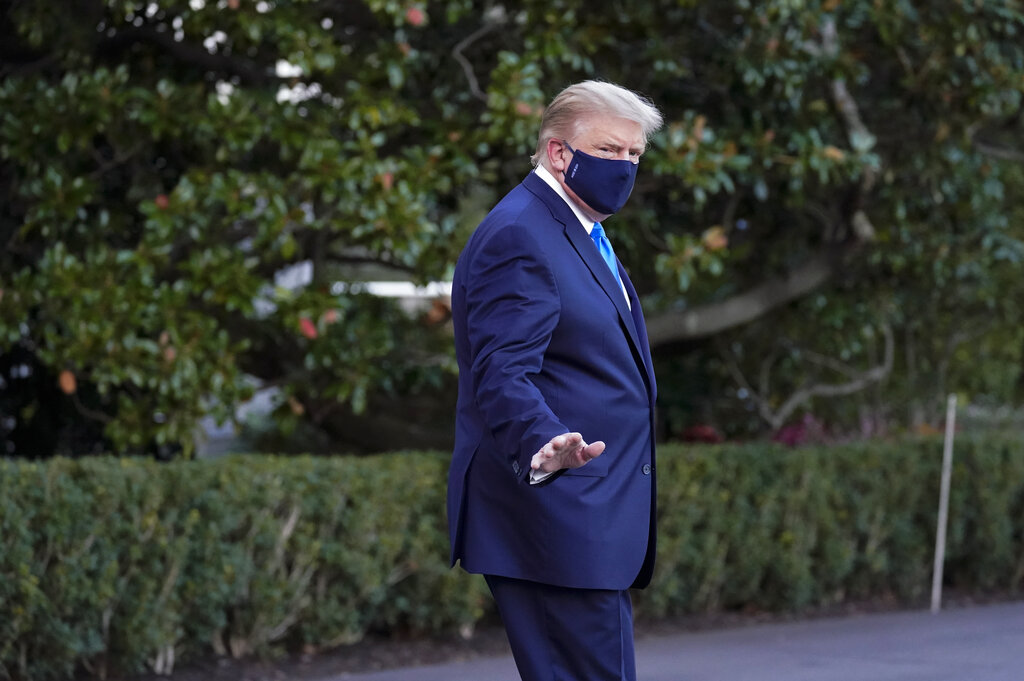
(515, 467)
(647, 469)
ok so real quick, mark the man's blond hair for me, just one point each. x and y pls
(575, 103)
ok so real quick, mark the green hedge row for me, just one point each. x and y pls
(111, 565)
(784, 530)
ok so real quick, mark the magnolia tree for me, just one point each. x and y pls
(828, 210)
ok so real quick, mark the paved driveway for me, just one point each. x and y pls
(966, 644)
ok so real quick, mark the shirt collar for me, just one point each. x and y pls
(544, 174)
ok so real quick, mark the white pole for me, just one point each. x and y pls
(940, 529)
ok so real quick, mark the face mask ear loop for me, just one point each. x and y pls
(572, 151)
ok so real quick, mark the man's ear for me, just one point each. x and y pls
(558, 160)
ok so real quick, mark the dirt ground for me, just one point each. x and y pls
(376, 653)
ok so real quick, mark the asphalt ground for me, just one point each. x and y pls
(978, 643)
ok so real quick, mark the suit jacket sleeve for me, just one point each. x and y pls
(512, 308)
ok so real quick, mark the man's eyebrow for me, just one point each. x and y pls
(614, 145)
(617, 146)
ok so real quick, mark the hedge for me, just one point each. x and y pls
(110, 566)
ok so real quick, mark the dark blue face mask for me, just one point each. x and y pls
(604, 184)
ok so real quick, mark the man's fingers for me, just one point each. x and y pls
(567, 441)
(565, 451)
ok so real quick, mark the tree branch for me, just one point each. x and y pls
(765, 379)
(105, 165)
(492, 20)
(857, 384)
(856, 131)
(821, 360)
(352, 257)
(93, 414)
(196, 55)
(731, 363)
(712, 318)
(776, 418)
(1001, 153)
(27, 69)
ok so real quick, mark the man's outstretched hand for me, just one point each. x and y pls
(565, 451)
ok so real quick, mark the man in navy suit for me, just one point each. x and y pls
(552, 484)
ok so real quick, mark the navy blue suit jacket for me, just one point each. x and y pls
(546, 344)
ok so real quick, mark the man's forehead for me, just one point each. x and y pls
(612, 129)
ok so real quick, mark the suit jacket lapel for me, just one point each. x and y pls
(584, 245)
(641, 331)
(586, 249)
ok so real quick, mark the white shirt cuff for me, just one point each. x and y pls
(539, 476)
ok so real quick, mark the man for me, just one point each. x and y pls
(551, 489)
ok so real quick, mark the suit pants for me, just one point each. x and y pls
(562, 634)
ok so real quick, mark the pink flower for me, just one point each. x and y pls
(307, 328)
(415, 16)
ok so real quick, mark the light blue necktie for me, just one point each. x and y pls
(604, 247)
